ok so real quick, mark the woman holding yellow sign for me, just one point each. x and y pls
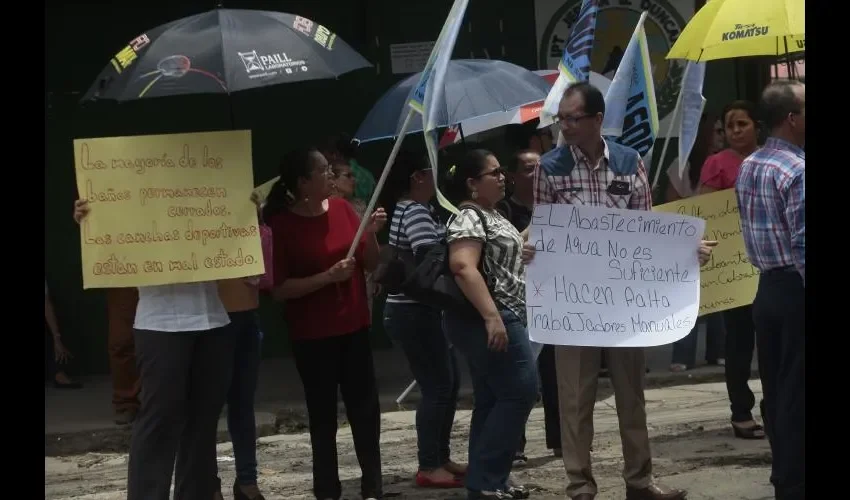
(184, 351)
(718, 173)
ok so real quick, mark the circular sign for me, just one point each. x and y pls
(615, 24)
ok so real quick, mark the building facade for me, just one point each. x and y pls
(393, 35)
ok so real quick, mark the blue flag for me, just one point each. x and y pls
(575, 61)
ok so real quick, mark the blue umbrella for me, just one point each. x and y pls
(474, 87)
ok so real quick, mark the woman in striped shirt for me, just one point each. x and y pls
(417, 328)
(491, 334)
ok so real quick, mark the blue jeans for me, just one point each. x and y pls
(240, 399)
(504, 386)
(418, 330)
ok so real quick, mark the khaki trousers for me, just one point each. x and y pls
(578, 376)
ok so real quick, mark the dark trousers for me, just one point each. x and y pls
(50, 366)
(185, 377)
(241, 422)
(418, 330)
(504, 386)
(343, 363)
(740, 343)
(121, 312)
(685, 349)
(549, 391)
(779, 312)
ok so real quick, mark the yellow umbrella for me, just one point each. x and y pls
(725, 29)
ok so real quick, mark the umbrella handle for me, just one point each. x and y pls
(383, 179)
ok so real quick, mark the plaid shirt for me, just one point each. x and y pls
(771, 191)
(588, 185)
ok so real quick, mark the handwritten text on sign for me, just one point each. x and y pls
(167, 209)
(728, 280)
(609, 277)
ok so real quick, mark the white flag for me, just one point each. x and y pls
(631, 113)
(692, 103)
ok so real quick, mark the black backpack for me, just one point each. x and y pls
(430, 281)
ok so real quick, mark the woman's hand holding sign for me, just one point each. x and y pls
(81, 209)
(705, 249)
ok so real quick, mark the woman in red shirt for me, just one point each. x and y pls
(719, 173)
(721, 169)
(324, 295)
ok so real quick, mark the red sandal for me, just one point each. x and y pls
(424, 482)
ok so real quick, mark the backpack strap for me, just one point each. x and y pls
(401, 221)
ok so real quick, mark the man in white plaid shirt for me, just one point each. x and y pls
(588, 170)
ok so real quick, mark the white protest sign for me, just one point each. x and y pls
(612, 278)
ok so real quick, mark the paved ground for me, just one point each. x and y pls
(80, 421)
(692, 445)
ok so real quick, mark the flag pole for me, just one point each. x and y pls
(369, 208)
(667, 139)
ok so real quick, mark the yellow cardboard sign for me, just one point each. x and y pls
(167, 209)
(728, 280)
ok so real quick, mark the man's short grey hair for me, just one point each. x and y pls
(778, 100)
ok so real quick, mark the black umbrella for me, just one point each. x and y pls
(224, 51)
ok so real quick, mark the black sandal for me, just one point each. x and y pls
(754, 432)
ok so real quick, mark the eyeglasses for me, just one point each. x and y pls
(495, 173)
(572, 120)
(347, 175)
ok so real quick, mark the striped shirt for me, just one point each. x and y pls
(771, 192)
(588, 185)
(413, 226)
(503, 266)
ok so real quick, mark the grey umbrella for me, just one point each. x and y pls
(473, 88)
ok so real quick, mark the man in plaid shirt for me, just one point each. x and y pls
(771, 191)
(588, 170)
